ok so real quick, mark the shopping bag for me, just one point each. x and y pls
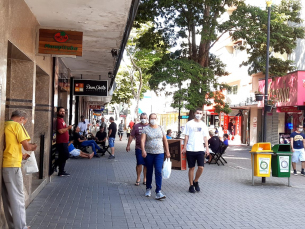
(30, 164)
(167, 168)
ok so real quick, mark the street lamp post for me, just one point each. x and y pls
(269, 3)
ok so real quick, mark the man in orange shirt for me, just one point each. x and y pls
(12, 180)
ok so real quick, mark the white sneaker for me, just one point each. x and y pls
(148, 192)
(160, 196)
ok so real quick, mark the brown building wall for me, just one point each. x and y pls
(25, 83)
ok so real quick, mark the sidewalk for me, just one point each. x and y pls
(101, 194)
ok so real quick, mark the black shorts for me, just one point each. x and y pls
(192, 157)
(120, 134)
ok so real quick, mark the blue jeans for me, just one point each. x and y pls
(151, 161)
(91, 143)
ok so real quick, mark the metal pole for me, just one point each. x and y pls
(266, 80)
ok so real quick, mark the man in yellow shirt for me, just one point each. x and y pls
(12, 180)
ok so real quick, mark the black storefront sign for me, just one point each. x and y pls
(90, 87)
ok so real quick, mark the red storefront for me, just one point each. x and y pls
(289, 92)
(215, 120)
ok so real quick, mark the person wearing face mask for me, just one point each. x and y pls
(196, 133)
(153, 142)
(136, 133)
(12, 179)
(297, 142)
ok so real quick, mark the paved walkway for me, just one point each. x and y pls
(101, 194)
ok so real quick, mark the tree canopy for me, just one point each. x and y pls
(191, 28)
(132, 79)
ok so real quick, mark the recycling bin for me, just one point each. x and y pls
(261, 159)
(281, 160)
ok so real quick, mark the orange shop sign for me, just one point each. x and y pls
(59, 42)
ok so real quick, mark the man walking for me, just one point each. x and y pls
(297, 141)
(131, 124)
(196, 133)
(62, 141)
(111, 136)
(12, 180)
(136, 133)
(121, 130)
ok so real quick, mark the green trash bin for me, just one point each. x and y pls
(281, 160)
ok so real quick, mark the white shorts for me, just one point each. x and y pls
(75, 152)
(298, 155)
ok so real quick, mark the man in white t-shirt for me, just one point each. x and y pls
(196, 133)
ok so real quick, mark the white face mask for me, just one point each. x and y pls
(143, 121)
(198, 116)
(300, 129)
(153, 121)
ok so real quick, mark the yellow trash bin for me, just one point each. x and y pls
(261, 154)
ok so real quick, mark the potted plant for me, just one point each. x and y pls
(271, 103)
(258, 96)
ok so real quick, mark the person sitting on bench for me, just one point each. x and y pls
(79, 140)
(214, 144)
(77, 152)
(101, 137)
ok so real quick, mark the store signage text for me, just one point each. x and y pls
(95, 107)
(282, 94)
(58, 42)
(90, 87)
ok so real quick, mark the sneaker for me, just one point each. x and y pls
(192, 189)
(96, 155)
(63, 174)
(196, 184)
(160, 196)
(303, 173)
(111, 157)
(148, 192)
(295, 173)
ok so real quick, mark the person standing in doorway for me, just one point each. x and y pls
(230, 127)
(12, 180)
(153, 142)
(62, 141)
(111, 136)
(121, 130)
(297, 142)
(136, 133)
(196, 133)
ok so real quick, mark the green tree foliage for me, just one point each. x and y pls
(196, 24)
(250, 24)
(123, 93)
(132, 79)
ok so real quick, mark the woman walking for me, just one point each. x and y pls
(153, 141)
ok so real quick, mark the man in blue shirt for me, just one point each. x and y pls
(169, 134)
(297, 142)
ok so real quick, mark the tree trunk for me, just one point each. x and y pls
(137, 108)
